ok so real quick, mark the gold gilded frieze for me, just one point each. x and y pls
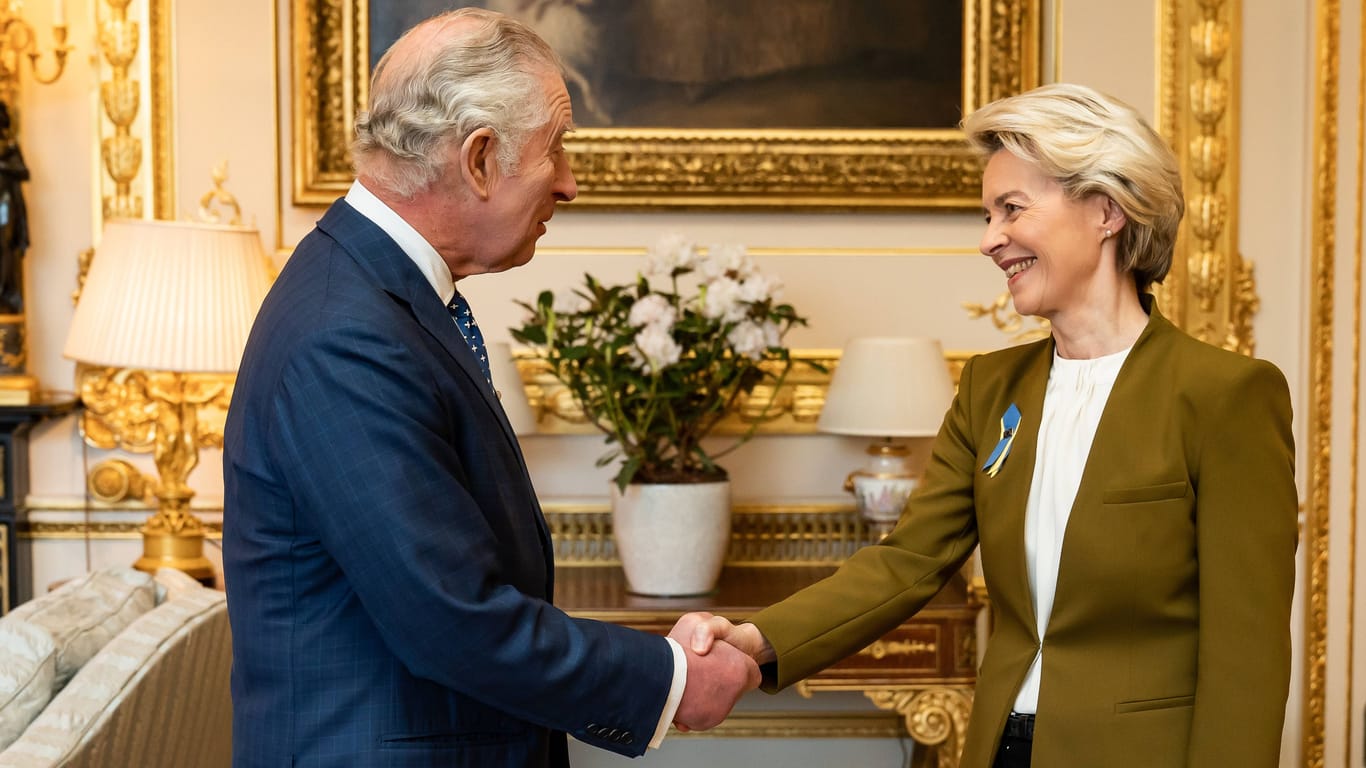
(791, 408)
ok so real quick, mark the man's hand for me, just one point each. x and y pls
(698, 631)
(715, 682)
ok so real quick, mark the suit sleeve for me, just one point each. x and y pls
(1246, 534)
(883, 584)
(362, 432)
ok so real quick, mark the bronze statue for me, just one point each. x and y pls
(13, 219)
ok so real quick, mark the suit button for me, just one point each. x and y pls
(611, 734)
(627, 738)
(592, 729)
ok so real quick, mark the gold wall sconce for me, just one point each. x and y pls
(19, 41)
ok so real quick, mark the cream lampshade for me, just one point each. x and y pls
(511, 392)
(887, 388)
(165, 299)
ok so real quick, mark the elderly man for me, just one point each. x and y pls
(389, 571)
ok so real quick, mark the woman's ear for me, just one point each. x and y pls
(1114, 219)
(478, 160)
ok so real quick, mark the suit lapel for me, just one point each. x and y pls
(396, 274)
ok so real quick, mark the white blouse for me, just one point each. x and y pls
(1072, 405)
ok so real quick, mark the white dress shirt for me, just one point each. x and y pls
(1072, 406)
(436, 271)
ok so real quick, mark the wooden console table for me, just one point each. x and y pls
(923, 670)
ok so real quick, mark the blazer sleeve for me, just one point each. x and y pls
(882, 584)
(361, 431)
(1246, 534)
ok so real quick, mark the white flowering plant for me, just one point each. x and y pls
(656, 364)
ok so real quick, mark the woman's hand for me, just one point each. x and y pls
(700, 630)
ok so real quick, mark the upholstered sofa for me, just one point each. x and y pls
(116, 669)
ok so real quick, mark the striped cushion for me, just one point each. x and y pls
(25, 675)
(156, 695)
(84, 613)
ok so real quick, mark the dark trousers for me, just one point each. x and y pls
(1016, 743)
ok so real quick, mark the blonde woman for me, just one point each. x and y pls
(1132, 489)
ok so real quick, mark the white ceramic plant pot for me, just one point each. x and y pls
(672, 538)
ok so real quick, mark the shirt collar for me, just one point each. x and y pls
(414, 245)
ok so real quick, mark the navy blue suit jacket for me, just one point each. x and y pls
(388, 569)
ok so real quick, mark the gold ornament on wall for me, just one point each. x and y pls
(19, 41)
(1210, 292)
(1003, 315)
(119, 96)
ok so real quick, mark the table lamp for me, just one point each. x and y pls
(886, 388)
(166, 299)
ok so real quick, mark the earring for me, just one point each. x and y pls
(1109, 234)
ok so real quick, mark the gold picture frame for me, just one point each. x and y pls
(696, 168)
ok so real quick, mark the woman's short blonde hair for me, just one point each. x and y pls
(1094, 144)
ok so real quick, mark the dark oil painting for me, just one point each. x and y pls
(738, 64)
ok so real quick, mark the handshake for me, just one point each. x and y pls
(723, 663)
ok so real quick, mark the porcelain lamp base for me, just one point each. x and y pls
(882, 488)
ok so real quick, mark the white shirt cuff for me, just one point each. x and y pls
(666, 718)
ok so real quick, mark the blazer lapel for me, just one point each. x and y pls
(1013, 482)
(1107, 447)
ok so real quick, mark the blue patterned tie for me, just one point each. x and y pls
(469, 328)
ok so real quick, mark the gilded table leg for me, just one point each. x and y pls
(936, 717)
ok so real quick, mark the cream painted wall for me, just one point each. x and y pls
(1274, 227)
(226, 68)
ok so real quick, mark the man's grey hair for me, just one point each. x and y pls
(483, 77)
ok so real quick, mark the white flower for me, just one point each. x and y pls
(672, 251)
(568, 302)
(751, 339)
(655, 349)
(652, 310)
(758, 287)
(726, 259)
(773, 335)
(720, 299)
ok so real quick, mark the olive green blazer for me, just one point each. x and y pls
(1169, 641)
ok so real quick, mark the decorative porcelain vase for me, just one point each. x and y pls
(672, 537)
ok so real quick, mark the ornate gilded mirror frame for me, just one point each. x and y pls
(675, 168)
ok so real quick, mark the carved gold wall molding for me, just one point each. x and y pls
(791, 409)
(120, 97)
(122, 152)
(1210, 291)
(1323, 229)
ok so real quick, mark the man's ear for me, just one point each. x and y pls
(478, 161)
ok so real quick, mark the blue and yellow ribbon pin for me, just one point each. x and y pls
(1010, 425)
